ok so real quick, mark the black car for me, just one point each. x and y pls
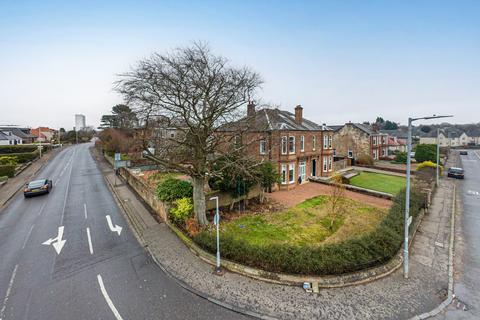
(457, 173)
(37, 187)
(463, 153)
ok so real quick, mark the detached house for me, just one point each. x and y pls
(299, 147)
(355, 139)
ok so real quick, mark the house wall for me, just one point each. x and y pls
(351, 138)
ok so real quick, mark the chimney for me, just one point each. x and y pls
(298, 114)
(250, 109)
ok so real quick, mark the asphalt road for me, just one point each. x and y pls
(97, 274)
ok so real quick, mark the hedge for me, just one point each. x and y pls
(171, 189)
(18, 149)
(7, 170)
(25, 156)
(369, 250)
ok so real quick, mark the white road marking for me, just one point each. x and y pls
(68, 187)
(9, 289)
(115, 228)
(41, 209)
(85, 210)
(107, 299)
(89, 241)
(474, 193)
(57, 182)
(28, 236)
(475, 152)
(56, 242)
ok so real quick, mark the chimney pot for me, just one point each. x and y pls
(298, 114)
(250, 109)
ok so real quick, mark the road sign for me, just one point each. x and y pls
(118, 156)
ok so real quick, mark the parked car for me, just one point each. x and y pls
(37, 187)
(457, 173)
(463, 152)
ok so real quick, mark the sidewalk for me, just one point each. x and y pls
(392, 297)
(8, 190)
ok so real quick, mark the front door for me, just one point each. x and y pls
(302, 170)
(314, 167)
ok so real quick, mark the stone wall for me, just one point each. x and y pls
(351, 138)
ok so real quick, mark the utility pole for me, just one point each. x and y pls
(216, 221)
(438, 155)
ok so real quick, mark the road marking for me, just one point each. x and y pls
(57, 182)
(115, 228)
(89, 241)
(474, 193)
(85, 210)
(28, 236)
(475, 152)
(107, 299)
(41, 209)
(10, 285)
(56, 242)
(68, 187)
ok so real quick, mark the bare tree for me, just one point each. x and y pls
(337, 198)
(193, 93)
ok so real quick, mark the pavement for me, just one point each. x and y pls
(392, 297)
(63, 258)
(466, 304)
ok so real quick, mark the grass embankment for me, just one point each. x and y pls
(379, 182)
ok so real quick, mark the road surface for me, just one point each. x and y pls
(70, 255)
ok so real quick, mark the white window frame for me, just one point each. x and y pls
(303, 164)
(384, 152)
(374, 140)
(284, 145)
(302, 143)
(329, 142)
(314, 143)
(284, 174)
(263, 146)
(330, 164)
(325, 164)
(291, 138)
(350, 153)
(375, 154)
(325, 142)
(291, 167)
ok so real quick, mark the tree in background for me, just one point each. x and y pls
(379, 120)
(426, 152)
(426, 129)
(196, 93)
(268, 176)
(122, 117)
(336, 199)
(390, 125)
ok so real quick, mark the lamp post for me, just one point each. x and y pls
(407, 192)
(216, 221)
(438, 155)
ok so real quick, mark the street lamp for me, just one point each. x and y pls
(216, 221)
(438, 156)
(407, 192)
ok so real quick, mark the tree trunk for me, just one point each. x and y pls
(199, 200)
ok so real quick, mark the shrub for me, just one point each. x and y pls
(354, 254)
(7, 170)
(401, 157)
(426, 152)
(25, 156)
(3, 178)
(365, 159)
(18, 149)
(181, 211)
(269, 176)
(428, 164)
(8, 160)
(172, 189)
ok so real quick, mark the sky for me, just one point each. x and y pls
(341, 60)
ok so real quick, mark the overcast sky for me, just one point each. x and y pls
(341, 60)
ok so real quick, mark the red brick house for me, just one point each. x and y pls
(299, 147)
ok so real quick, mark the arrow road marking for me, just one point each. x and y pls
(57, 242)
(107, 298)
(115, 228)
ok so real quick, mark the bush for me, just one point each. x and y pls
(365, 159)
(26, 156)
(401, 157)
(428, 164)
(7, 170)
(369, 250)
(172, 189)
(18, 149)
(181, 211)
(8, 160)
(3, 178)
(426, 152)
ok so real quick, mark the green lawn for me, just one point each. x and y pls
(309, 223)
(379, 182)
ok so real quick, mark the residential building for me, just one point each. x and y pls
(43, 134)
(297, 146)
(352, 140)
(79, 122)
(23, 134)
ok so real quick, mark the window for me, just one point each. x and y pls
(334, 152)
(284, 174)
(325, 142)
(302, 143)
(383, 152)
(302, 170)
(325, 165)
(330, 142)
(314, 143)
(375, 154)
(263, 146)
(238, 140)
(291, 144)
(284, 145)
(350, 153)
(330, 163)
(291, 173)
(375, 141)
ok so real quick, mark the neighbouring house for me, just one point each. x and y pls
(43, 134)
(22, 133)
(397, 140)
(447, 137)
(297, 146)
(8, 138)
(353, 140)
